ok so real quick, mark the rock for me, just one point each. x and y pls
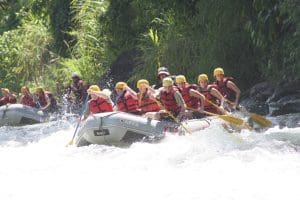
(255, 98)
(261, 91)
(269, 99)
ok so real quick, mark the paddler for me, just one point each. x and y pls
(213, 97)
(171, 100)
(146, 99)
(227, 87)
(100, 102)
(126, 99)
(192, 98)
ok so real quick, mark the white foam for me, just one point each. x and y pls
(212, 164)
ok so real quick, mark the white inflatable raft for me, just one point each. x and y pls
(18, 114)
(118, 128)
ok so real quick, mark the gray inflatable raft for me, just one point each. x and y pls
(18, 114)
(119, 128)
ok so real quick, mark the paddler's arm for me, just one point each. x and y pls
(195, 93)
(99, 94)
(180, 102)
(102, 94)
(87, 113)
(237, 91)
(214, 92)
(132, 92)
(150, 89)
(218, 95)
(47, 105)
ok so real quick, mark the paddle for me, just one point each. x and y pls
(82, 111)
(228, 118)
(259, 119)
(178, 122)
(173, 117)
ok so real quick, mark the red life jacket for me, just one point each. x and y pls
(224, 90)
(12, 100)
(190, 101)
(206, 92)
(27, 100)
(42, 99)
(169, 101)
(6, 100)
(126, 103)
(146, 104)
(99, 105)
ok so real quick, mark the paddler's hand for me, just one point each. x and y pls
(234, 106)
(201, 109)
(222, 110)
(180, 116)
(89, 91)
(125, 87)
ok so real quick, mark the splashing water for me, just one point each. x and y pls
(211, 164)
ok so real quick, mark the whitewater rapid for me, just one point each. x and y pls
(212, 165)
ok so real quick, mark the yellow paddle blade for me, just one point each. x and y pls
(261, 120)
(228, 118)
(70, 143)
(231, 119)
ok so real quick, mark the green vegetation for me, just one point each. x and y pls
(44, 41)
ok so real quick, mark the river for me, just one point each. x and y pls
(211, 165)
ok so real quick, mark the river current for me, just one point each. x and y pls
(212, 165)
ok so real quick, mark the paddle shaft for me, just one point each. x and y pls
(228, 118)
(82, 112)
(259, 119)
(204, 112)
(173, 117)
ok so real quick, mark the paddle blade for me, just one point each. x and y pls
(231, 119)
(70, 143)
(261, 120)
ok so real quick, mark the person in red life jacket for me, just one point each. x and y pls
(162, 73)
(172, 101)
(192, 98)
(100, 102)
(27, 98)
(126, 99)
(227, 87)
(7, 98)
(43, 101)
(212, 95)
(146, 100)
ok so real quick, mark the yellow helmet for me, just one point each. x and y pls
(120, 85)
(202, 77)
(5, 90)
(24, 89)
(167, 82)
(180, 79)
(94, 88)
(142, 81)
(39, 90)
(218, 71)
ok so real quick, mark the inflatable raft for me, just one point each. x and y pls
(118, 128)
(18, 114)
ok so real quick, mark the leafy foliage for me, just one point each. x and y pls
(43, 41)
